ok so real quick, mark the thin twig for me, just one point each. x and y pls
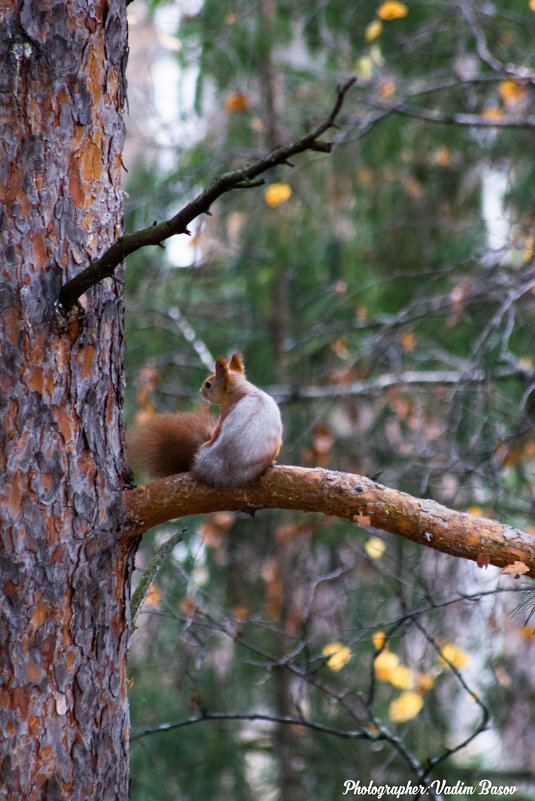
(348, 734)
(485, 713)
(149, 574)
(458, 118)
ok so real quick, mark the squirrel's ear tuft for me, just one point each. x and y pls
(221, 367)
(236, 363)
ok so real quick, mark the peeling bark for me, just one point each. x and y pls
(63, 636)
(347, 495)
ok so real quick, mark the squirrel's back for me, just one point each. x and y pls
(246, 445)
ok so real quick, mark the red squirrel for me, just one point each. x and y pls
(237, 449)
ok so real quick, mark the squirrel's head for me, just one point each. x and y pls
(226, 380)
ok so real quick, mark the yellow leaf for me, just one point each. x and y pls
(236, 102)
(528, 249)
(403, 678)
(528, 632)
(241, 613)
(375, 548)
(385, 663)
(442, 157)
(392, 9)
(405, 707)
(373, 30)
(331, 648)
(425, 682)
(511, 92)
(451, 655)
(365, 68)
(339, 655)
(339, 347)
(275, 194)
(492, 112)
(408, 342)
(378, 639)
(154, 597)
(387, 88)
(475, 510)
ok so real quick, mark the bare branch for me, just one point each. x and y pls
(348, 734)
(481, 40)
(376, 384)
(431, 115)
(485, 713)
(346, 495)
(241, 178)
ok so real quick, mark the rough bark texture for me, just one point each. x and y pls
(343, 495)
(63, 637)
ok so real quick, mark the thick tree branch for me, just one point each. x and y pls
(242, 178)
(346, 495)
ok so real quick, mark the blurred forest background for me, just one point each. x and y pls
(384, 294)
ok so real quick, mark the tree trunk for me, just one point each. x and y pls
(63, 571)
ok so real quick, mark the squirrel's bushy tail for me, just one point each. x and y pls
(167, 443)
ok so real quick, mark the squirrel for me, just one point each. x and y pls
(237, 449)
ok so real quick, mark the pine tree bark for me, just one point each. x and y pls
(63, 569)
